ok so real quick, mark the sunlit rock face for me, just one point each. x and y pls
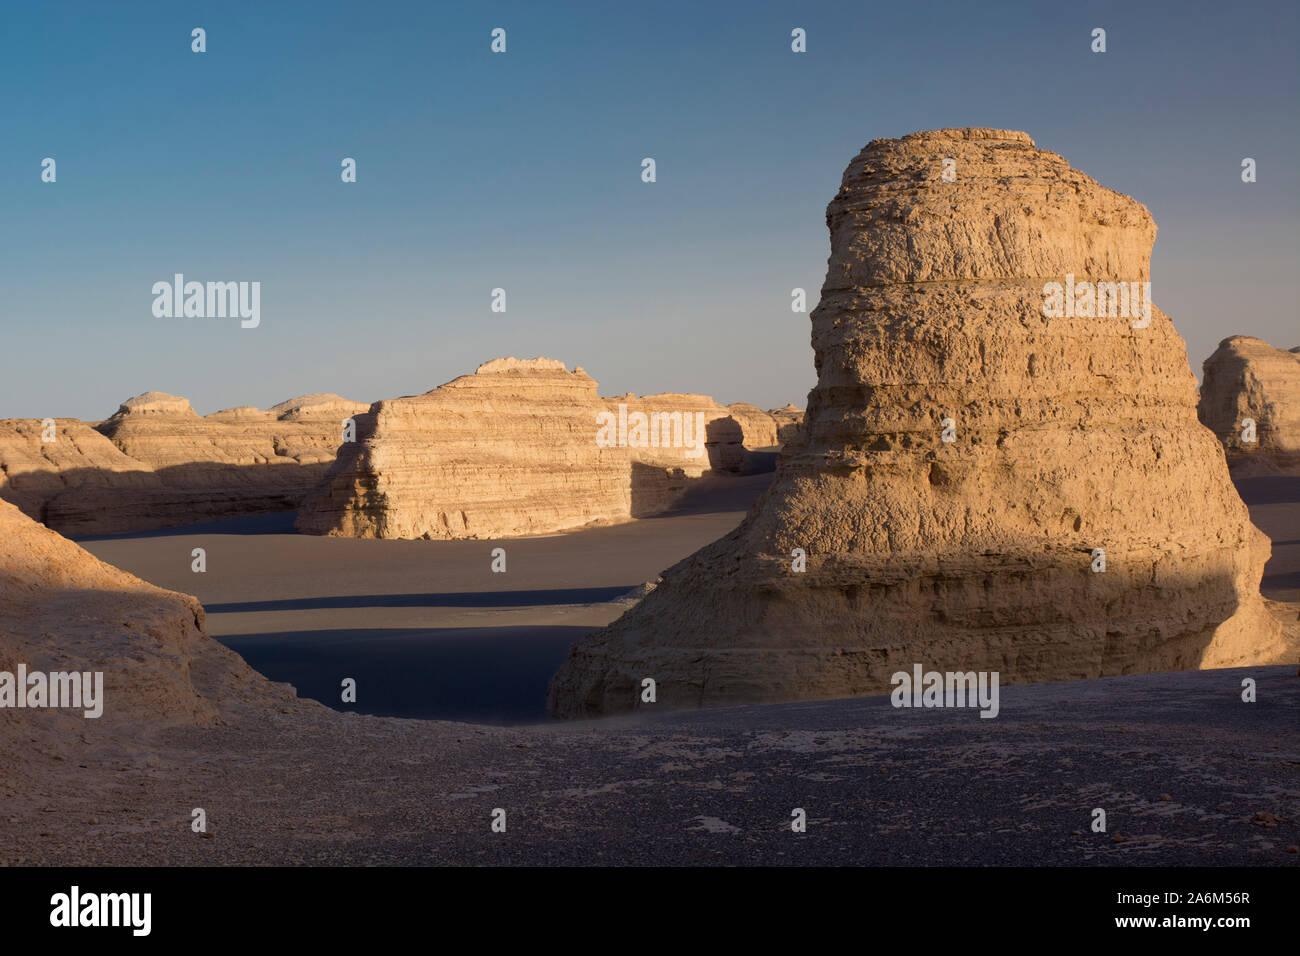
(966, 456)
(1250, 399)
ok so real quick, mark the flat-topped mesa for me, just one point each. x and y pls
(155, 403)
(969, 451)
(521, 446)
(326, 407)
(164, 432)
(1250, 399)
(509, 450)
(155, 463)
(240, 413)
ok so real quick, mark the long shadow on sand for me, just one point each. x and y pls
(540, 598)
(488, 675)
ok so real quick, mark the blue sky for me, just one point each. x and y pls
(522, 171)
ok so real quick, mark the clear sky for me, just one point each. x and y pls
(522, 171)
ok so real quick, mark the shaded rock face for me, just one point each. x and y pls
(788, 420)
(522, 446)
(62, 609)
(975, 554)
(1246, 379)
(157, 463)
(53, 480)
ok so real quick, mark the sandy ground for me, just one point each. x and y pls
(1186, 771)
(1274, 503)
(425, 628)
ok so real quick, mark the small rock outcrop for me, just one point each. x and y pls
(64, 610)
(1250, 399)
(969, 452)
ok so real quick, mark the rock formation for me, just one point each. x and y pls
(509, 450)
(788, 420)
(1068, 436)
(55, 471)
(522, 447)
(730, 433)
(156, 463)
(63, 610)
(1247, 380)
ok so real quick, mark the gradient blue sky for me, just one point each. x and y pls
(523, 171)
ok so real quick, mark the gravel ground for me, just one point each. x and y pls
(1186, 771)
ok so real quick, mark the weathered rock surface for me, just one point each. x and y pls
(62, 609)
(788, 420)
(156, 463)
(976, 554)
(522, 446)
(45, 478)
(711, 437)
(508, 450)
(1248, 379)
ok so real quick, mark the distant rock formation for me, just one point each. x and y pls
(53, 480)
(522, 446)
(506, 451)
(788, 420)
(163, 431)
(1248, 381)
(156, 463)
(964, 460)
(731, 434)
(63, 610)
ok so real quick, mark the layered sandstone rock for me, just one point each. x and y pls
(1247, 380)
(63, 610)
(156, 463)
(164, 432)
(1069, 435)
(788, 420)
(48, 471)
(758, 428)
(523, 446)
(690, 432)
(508, 450)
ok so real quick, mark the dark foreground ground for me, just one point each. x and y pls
(1186, 771)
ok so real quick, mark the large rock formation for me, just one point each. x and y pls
(713, 437)
(522, 446)
(51, 469)
(509, 450)
(156, 463)
(1247, 380)
(1068, 435)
